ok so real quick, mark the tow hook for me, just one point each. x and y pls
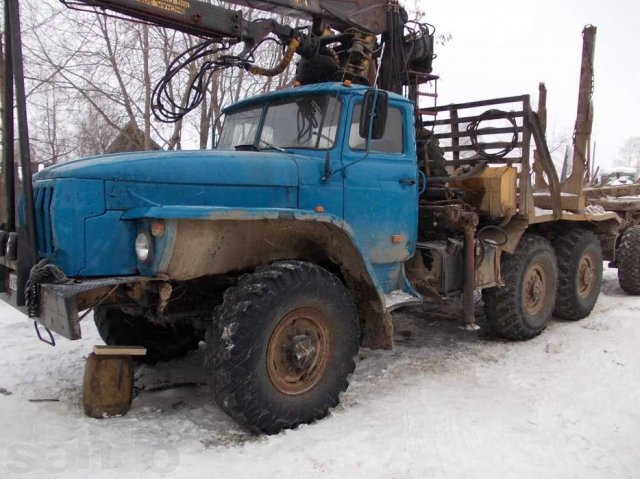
(51, 341)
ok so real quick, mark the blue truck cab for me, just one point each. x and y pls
(295, 153)
(292, 158)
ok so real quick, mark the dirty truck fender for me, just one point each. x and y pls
(202, 241)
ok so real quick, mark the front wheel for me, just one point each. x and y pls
(521, 309)
(282, 346)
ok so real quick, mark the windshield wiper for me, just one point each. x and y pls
(280, 149)
(246, 147)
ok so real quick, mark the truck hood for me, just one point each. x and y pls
(183, 167)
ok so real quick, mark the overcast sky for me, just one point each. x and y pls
(506, 47)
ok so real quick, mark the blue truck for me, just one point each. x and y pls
(323, 208)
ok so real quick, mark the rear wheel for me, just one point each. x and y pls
(628, 261)
(282, 346)
(163, 342)
(522, 308)
(579, 256)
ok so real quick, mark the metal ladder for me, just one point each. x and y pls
(420, 86)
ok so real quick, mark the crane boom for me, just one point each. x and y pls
(190, 16)
(205, 19)
(369, 15)
(340, 42)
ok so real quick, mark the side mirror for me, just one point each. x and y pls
(374, 104)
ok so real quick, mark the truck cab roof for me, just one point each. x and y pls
(336, 88)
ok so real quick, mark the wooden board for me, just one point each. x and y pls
(573, 203)
(119, 350)
(612, 191)
(619, 204)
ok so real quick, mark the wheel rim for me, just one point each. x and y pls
(586, 275)
(535, 289)
(299, 351)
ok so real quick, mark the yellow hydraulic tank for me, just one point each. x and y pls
(492, 191)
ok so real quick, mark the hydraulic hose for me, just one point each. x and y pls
(292, 48)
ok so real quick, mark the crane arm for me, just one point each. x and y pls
(191, 16)
(369, 15)
(204, 19)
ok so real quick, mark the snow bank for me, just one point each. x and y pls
(445, 403)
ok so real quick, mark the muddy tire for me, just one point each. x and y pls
(628, 261)
(579, 256)
(163, 343)
(521, 309)
(282, 346)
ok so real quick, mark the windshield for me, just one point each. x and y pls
(301, 122)
(240, 128)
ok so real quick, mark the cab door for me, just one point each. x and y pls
(381, 191)
(308, 127)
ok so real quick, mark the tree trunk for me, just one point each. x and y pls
(3, 212)
(147, 87)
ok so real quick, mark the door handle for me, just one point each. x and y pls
(407, 181)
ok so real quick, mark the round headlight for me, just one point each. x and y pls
(143, 247)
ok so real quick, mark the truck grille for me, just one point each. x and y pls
(44, 196)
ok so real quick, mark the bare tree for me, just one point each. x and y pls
(93, 133)
(95, 61)
(91, 77)
(51, 142)
(630, 153)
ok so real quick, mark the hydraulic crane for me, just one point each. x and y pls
(340, 41)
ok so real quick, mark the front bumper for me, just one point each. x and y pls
(60, 304)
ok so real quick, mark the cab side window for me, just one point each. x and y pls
(391, 142)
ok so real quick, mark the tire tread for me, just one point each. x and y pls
(505, 320)
(234, 326)
(628, 261)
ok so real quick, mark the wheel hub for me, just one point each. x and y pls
(299, 351)
(302, 351)
(534, 289)
(586, 275)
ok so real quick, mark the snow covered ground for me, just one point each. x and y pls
(445, 403)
